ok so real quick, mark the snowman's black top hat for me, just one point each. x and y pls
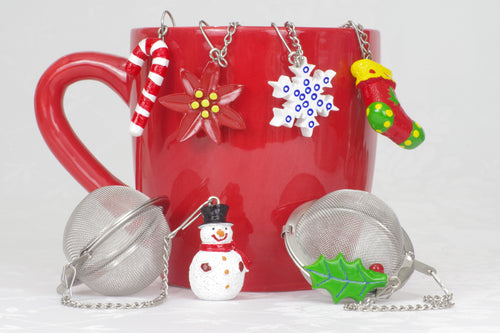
(214, 214)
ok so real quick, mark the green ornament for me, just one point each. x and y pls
(393, 97)
(380, 116)
(344, 279)
(416, 137)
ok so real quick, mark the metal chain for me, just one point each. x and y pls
(362, 36)
(68, 300)
(219, 55)
(295, 57)
(435, 302)
(430, 302)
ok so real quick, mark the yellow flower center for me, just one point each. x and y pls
(195, 105)
(207, 103)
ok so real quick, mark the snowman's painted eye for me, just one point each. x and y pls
(213, 228)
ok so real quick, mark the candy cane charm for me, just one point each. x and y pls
(384, 111)
(158, 51)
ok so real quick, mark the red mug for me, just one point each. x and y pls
(262, 172)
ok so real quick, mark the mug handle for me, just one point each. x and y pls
(54, 125)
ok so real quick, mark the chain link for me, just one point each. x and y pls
(68, 300)
(219, 55)
(362, 36)
(296, 57)
(430, 302)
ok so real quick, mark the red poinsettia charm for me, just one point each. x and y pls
(205, 104)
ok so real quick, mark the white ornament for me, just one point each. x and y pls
(217, 271)
(304, 97)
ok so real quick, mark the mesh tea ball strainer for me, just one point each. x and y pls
(117, 242)
(357, 224)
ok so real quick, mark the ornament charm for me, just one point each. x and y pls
(158, 51)
(384, 112)
(217, 271)
(205, 103)
(303, 92)
(344, 279)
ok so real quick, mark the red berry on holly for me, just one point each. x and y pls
(377, 268)
(206, 267)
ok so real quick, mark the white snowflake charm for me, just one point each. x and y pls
(304, 97)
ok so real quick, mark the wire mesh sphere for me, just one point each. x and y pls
(123, 237)
(354, 223)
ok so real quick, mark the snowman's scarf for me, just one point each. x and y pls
(226, 248)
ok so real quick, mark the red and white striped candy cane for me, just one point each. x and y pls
(157, 49)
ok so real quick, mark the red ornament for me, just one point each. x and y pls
(158, 51)
(377, 267)
(205, 104)
(384, 112)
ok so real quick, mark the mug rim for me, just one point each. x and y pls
(250, 27)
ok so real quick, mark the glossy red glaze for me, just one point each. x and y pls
(262, 172)
(377, 267)
(52, 120)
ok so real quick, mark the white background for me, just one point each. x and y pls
(444, 58)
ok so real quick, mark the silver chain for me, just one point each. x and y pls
(430, 302)
(295, 57)
(362, 36)
(219, 55)
(68, 300)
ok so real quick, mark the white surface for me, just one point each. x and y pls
(443, 55)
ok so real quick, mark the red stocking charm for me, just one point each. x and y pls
(158, 51)
(384, 112)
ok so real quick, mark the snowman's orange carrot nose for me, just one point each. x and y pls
(384, 112)
(220, 233)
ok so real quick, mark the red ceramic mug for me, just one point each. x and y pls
(262, 172)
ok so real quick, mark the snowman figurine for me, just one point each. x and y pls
(217, 271)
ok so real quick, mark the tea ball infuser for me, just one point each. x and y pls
(333, 240)
(117, 242)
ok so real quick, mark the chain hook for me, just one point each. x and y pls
(162, 31)
(194, 216)
(296, 57)
(219, 55)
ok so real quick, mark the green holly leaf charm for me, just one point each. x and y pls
(344, 279)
